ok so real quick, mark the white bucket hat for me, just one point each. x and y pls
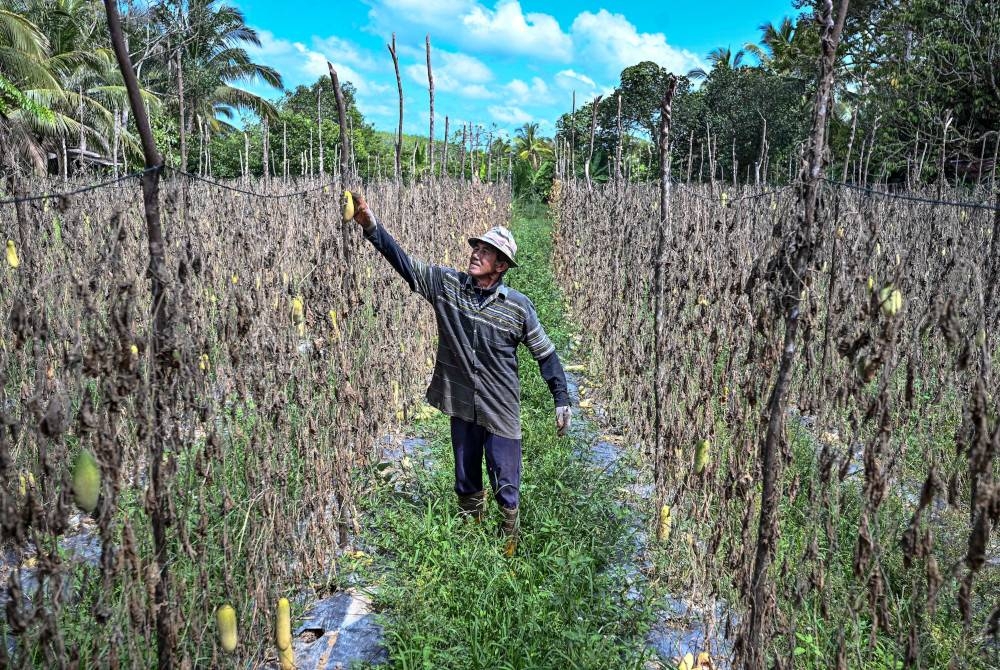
(500, 238)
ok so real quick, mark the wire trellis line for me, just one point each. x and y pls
(235, 189)
(83, 189)
(140, 173)
(913, 198)
(279, 196)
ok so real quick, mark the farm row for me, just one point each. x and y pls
(887, 480)
(289, 354)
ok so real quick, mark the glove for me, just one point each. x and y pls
(362, 213)
(564, 416)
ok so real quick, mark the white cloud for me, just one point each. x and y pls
(455, 73)
(520, 93)
(299, 64)
(424, 11)
(477, 91)
(347, 52)
(504, 29)
(612, 41)
(512, 115)
(571, 80)
(465, 68)
(507, 28)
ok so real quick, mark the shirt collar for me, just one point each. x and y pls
(500, 289)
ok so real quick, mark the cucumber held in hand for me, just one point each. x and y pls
(347, 206)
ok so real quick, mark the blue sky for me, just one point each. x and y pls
(498, 64)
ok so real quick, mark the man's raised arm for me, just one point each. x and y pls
(422, 277)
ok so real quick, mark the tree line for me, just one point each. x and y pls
(63, 105)
(917, 101)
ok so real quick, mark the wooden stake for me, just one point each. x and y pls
(430, 91)
(162, 357)
(663, 232)
(590, 152)
(796, 258)
(319, 126)
(444, 150)
(181, 111)
(618, 148)
(572, 138)
(399, 130)
(462, 161)
(346, 181)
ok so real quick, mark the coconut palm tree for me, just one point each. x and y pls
(530, 146)
(62, 67)
(23, 49)
(782, 47)
(210, 39)
(90, 88)
(721, 58)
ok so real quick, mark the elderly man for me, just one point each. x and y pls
(480, 323)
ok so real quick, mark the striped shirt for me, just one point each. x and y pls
(476, 374)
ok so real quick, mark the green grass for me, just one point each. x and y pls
(450, 598)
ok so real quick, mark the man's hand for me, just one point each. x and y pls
(362, 213)
(564, 416)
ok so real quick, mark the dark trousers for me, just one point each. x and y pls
(470, 441)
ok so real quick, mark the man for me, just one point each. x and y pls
(480, 323)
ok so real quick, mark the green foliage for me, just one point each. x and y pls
(641, 89)
(531, 147)
(915, 93)
(533, 185)
(947, 79)
(12, 100)
(730, 106)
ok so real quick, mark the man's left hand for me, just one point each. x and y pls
(564, 416)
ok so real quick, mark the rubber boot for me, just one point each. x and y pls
(472, 505)
(509, 529)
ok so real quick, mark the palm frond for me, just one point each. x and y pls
(118, 95)
(250, 72)
(237, 98)
(25, 72)
(20, 34)
(68, 62)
